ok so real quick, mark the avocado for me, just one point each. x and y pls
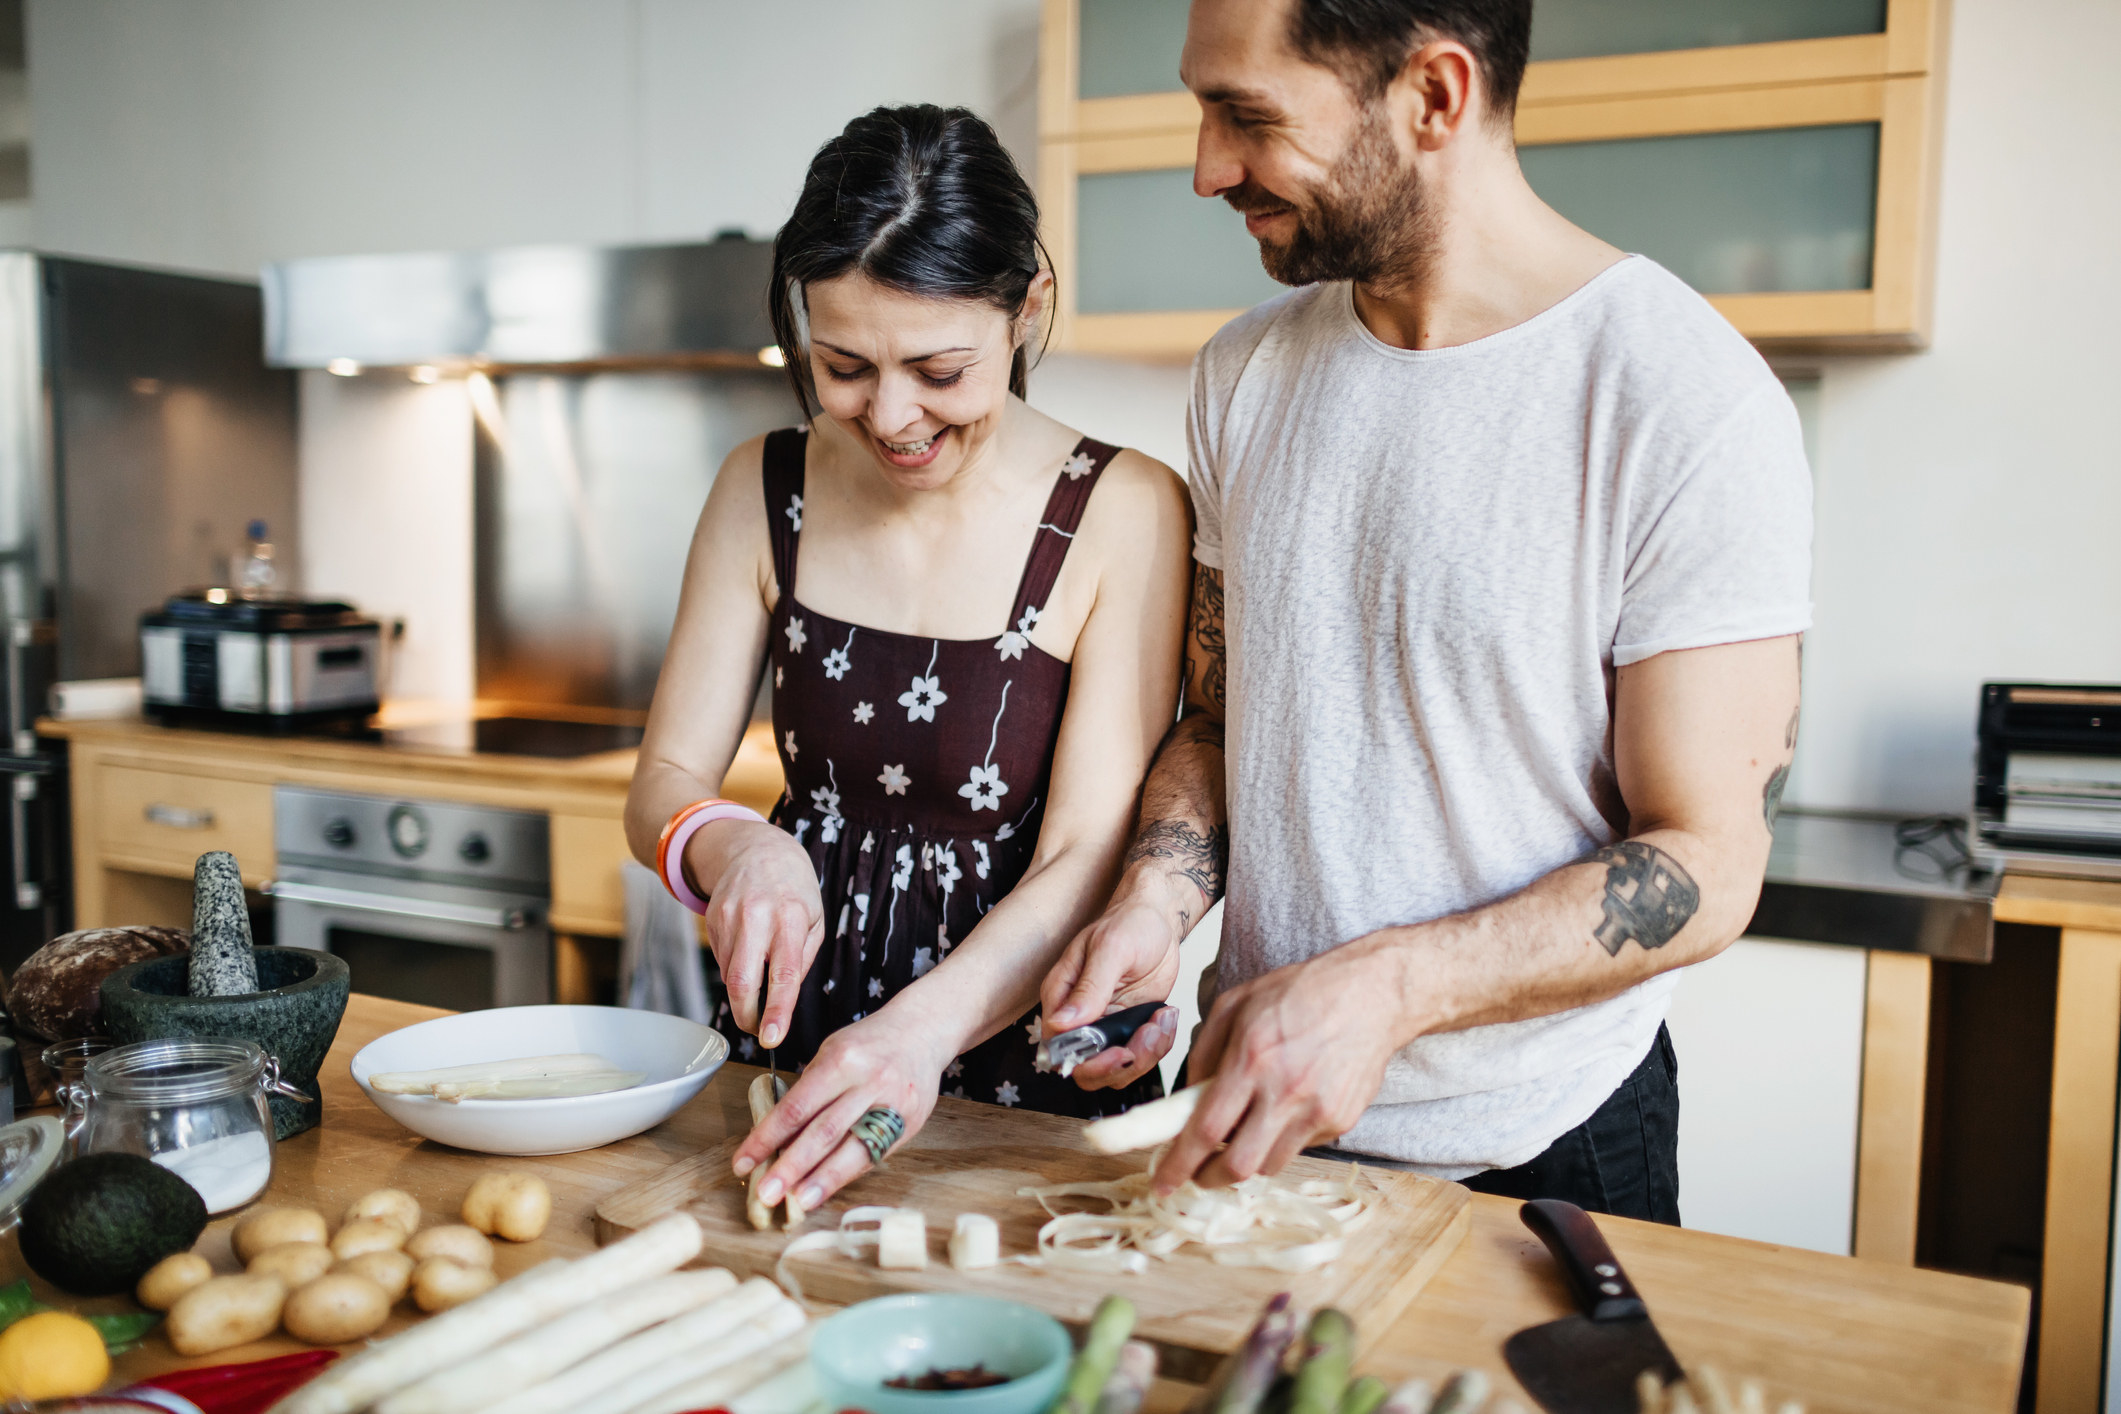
(97, 1223)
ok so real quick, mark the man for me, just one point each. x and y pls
(1503, 554)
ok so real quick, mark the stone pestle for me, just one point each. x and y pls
(222, 963)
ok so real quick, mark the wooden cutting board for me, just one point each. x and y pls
(973, 1158)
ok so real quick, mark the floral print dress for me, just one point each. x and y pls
(917, 775)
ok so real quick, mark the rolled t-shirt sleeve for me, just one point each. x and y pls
(1203, 471)
(1726, 556)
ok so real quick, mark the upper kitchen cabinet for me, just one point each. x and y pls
(1781, 158)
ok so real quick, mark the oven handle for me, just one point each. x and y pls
(511, 919)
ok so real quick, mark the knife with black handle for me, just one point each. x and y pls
(1589, 1363)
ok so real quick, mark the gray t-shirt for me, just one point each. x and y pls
(1433, 561)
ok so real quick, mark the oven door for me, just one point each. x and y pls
(414, 942)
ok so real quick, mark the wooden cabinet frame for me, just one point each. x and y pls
(1895, 79)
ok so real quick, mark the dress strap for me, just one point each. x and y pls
(782, 474)
(1056, 529)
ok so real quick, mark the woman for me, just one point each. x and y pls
(972, 615)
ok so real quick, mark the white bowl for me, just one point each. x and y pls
(679, 1056)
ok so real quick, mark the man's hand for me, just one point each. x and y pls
(1296, 1055)
(1126, 957)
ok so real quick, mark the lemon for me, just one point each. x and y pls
(51, 1355)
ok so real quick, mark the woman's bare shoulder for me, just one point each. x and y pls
(1139, 504)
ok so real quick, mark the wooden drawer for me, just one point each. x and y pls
(162, 821)
(587, 896)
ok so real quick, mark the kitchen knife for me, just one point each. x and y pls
(1068, 1049)
(1588, 1363)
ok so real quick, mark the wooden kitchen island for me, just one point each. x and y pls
(1839, 1333)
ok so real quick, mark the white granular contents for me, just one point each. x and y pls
(228, 1172)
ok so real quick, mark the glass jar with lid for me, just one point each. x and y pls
(196, 1107)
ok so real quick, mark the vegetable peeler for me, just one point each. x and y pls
(1069, 1049)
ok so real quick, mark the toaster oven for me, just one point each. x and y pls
(273, 663)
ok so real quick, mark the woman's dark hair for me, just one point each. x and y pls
(921, 199)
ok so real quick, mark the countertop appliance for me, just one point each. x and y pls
(2047, 779)
(432, 902)
(140, 433)
(272, 663)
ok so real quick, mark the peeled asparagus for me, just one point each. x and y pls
(975, 1242)
(762, 1095)
(645, 1380)
(731, 1382)
(544, 1351)
(515, 1306)
(1144, 1126)
(422, 1082)
(713, 1326)
(540, 1087)
(1128, 1384)
(902, 1240)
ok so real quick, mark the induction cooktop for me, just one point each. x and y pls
(509, 736)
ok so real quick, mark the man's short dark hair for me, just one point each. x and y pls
(1367, 41)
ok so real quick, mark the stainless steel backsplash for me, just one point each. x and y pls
(587, 488)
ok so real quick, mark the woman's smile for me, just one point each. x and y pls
(914, 454)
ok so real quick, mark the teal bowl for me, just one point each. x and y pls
(853, 1353)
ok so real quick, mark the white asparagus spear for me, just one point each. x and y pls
(420, 1082)
(1144, 1126)
(509, 1309)
(696, 1362)
(540, 1087)
(707, 1328)
(761, 1096)
(731, 1382)
(546, 1350)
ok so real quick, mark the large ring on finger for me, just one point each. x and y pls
(877, 1130)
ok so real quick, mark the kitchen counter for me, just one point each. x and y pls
(1844, 878)
(1839, 1333)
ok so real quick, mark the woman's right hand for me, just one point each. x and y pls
(765, 918)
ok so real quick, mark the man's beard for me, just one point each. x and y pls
(1367, 222)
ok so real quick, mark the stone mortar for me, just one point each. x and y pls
(293, 1019)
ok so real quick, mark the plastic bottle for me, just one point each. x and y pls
(253, 571)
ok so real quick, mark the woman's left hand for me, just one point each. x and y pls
(891, 1059)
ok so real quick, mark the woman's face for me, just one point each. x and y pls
(921, 383)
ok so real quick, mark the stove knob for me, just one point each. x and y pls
(339, 831)
(475, 850)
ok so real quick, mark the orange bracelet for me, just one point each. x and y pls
(670, 846)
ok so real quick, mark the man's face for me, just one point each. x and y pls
(1318, 172)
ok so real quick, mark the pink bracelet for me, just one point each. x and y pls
(670, 850)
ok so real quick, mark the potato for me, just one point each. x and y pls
(394, 1204)
(170, 1278)
(225, 1311)
(511, 1205)
(458, 1243)
(336, 1308)
(294, 1263)
(392, 1271)
(269, 1227)
(368, 1235)
(438, 1283)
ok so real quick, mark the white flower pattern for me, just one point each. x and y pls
(946, 871)
(836, 664)
(985, 790)
(788, 742)
(923, 961)
(979, 848)
(864, 713)
(921, 699)
(797, 635)
(1005, 1093)
(894, 781)
(1078, 466)
(794, 512)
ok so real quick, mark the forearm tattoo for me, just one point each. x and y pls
(1648, 896)
(1771, 794)
(1208, 636)
(1203, 858)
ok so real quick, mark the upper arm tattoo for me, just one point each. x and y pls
(1208, 640)
(1649, 897)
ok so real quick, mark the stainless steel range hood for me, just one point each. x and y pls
(552, 307)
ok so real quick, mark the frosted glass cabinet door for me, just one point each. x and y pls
(1130, 46)
(1579, 29)
(1729, 213)
(1145, 242)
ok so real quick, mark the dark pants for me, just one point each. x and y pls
(1623, 1160)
